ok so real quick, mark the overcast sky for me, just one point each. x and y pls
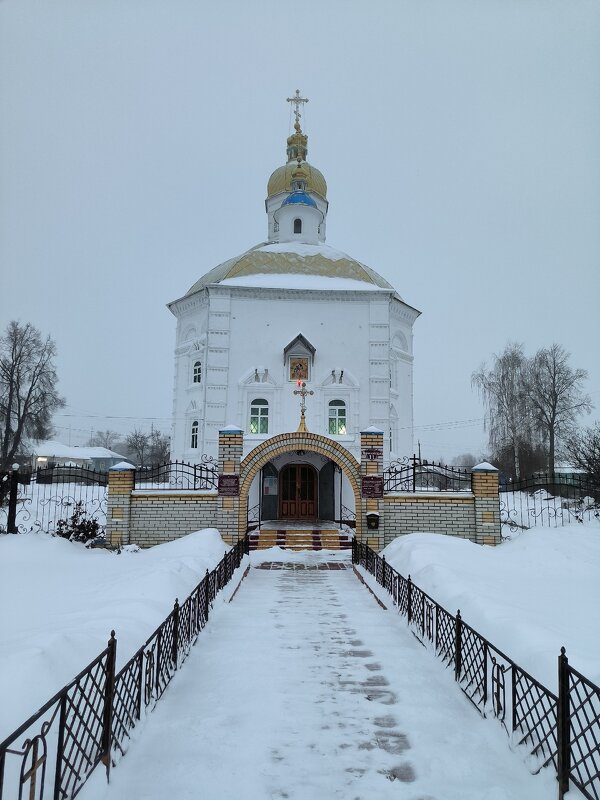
(460, 141)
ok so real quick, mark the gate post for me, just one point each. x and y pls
(484, 485)
(229, 516)
(371, 466)
(118, 504)
(11, 522)
(563, 725)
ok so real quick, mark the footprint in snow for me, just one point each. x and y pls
(403, 772)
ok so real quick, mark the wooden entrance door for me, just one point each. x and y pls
(298, 492)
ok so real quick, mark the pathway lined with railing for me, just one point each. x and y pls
(303, 687)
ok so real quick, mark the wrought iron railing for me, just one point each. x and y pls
(347, 517)
(413, 475)
(561, 730)
(88, 722)
(176, 475)
(38, 500)
(549, 500)
(253, 520)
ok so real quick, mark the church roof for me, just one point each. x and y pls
(299, 198)
(292, 258)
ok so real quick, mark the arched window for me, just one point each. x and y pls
(194, 442)
(197, 372)
(337, 418)
(259, 416)
(297, 226)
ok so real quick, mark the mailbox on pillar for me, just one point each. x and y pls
(373, 520)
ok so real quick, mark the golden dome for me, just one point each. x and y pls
(298, 166)
(281, 179)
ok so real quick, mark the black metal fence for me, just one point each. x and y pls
(38, 500)
(410, 474)
(549, 500)
(561, 730)
(178, 475)
(89, 721)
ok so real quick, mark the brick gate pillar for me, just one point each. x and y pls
(118, 504)
(371, 466)
(231, 445)
(484, 485)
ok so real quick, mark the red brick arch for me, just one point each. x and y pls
(289, 443)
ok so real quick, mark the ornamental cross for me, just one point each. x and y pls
(297, 101)
(303, 392)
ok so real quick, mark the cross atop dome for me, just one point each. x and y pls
(298, 102)
(296, 201)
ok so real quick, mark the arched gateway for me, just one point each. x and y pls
(294, 450)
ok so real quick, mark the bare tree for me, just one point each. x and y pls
(555, 392)
(138, 445)
(160, 447)
(508, 414)
(28, 394)
(105, 438)
(466, 460)
(582, 448)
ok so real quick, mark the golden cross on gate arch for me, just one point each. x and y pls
(297, 101)
(303, 392)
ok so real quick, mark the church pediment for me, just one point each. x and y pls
(257, 375)
(340, 377)
(300, 346)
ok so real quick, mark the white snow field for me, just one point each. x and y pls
(60, 601)
(304, 688)
(536, 592)
(276, 699)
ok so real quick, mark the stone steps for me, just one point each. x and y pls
(297, 539)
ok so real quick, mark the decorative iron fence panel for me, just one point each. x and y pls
(56, 750)
(497, 686)
(549, 500)
(584, 733)
(46, 496)
(413, 475)
(178, 475)
(534, 716)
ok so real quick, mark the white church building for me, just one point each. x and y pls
(293, 321)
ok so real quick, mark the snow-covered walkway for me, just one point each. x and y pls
(304, 688)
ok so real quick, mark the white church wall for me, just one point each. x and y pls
(242, 335)
(262, 328)
(189, 397)
(310, 219)
(401, 373)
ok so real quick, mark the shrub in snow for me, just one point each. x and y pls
(79, 528)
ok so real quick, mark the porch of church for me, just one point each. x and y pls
(301, 535)
(300, 499)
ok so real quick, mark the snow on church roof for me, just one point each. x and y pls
(305, 263)
(314, 282)
(53, 449)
